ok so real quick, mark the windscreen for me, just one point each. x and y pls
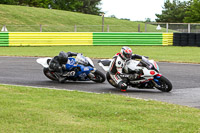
(145, 62)
(81, 59)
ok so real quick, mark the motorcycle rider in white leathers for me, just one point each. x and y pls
(117, 65)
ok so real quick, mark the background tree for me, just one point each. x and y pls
(9, 2)
(112, 16)
(69, 5)
(34, 3)
(84, 6)
(90, 7)
(173, 12)
(147, 20)
(193, 12)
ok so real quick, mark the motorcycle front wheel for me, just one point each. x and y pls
(49, 75)
(99, 77)
(164, 84)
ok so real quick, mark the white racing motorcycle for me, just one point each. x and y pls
(148, 77)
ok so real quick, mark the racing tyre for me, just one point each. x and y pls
(110, 80)
(49, 75)
(165, 85)
(99, 77)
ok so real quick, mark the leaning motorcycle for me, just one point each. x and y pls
(148, 77)
(82, 66)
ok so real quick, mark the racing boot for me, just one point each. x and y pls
(61, 79)
(60, 76)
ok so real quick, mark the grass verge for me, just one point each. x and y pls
(26, 109)
(158, 53)
(21, 19)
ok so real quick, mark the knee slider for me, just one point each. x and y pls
(122, 85)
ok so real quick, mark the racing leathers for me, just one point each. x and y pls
(116, 70)
(57, 64)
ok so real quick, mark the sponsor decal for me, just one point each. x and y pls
(72, 62)
(82, 75)
(86, 69)
(152, 72)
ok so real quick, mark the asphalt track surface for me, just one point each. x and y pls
(184, 77)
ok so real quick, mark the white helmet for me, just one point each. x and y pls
(126, 53)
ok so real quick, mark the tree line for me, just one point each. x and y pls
(83, 6)
(173, 12)
(180, 12)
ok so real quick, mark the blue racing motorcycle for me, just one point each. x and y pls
(76, 69)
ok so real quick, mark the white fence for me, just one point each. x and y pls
(139, 27)
(174, 27)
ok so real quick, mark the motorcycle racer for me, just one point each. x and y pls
(117, 65)
(58, 64)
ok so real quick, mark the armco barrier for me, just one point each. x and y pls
(76, 38)
(167, 39)
(4, 39)
(127, 39)
(49, 39)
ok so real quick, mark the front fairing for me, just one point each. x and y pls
(155, 65)
(79, 67)
(83, 71)
(147, 73)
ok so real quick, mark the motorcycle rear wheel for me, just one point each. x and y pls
(165, 84)
(49, 75)
(99, 77)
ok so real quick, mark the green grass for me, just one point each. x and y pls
(158, 53)
(22, 18)
(26, 109)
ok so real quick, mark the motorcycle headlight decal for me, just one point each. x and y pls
(152, 72)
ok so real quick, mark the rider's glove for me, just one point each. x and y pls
(63, 67)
